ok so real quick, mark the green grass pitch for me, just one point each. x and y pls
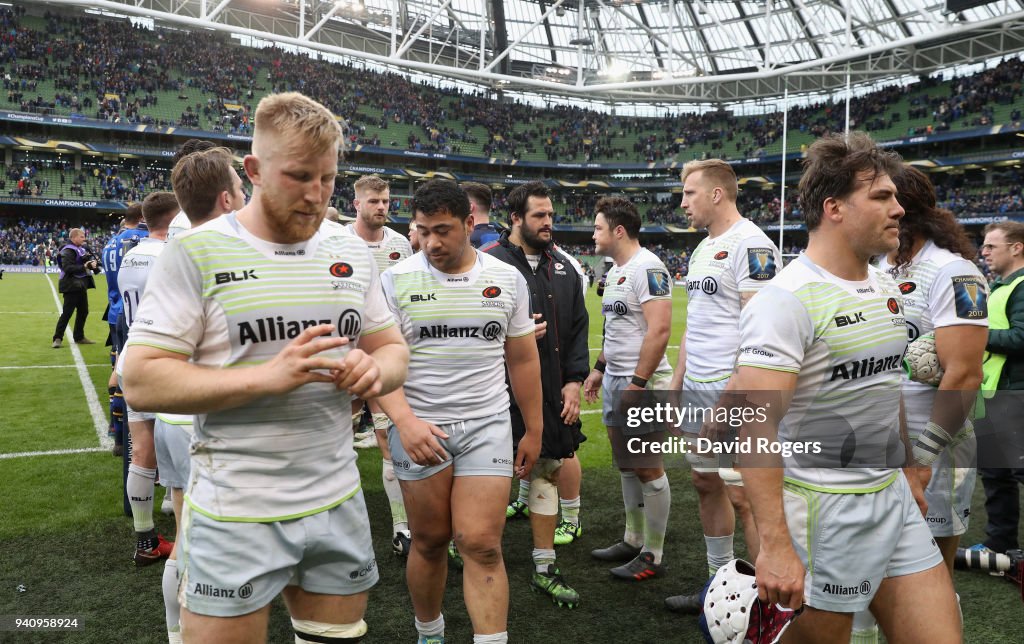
(65, 545)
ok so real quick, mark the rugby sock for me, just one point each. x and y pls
(865, 628)
(140, 487)
(399, 519)
(542, 558)
(172, 611)
(524, 492)
(433, 628)
(633, 500)
(570, 510)
(657, 502)
(494, 638)
(719, 552)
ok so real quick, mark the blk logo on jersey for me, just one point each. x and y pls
(341, 269)
(491, 292)
(722, 254)
(233, 276)
(395, 256)
(970, 297)
(761, 263)
(907, 288)
(893, 305)
(350, 324)
(657, 282)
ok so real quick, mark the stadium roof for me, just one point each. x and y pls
(654, 51)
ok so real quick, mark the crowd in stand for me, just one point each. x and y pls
(112, 70)
(35, 242)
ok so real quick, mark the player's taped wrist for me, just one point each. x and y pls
(637, 381)
(600, 365)
(930, 444)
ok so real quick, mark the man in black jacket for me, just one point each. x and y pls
(556, 293)
(999, 435)
(77, 266)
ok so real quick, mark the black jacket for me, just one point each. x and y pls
(75, 277)
(1010, 342)
(556, 292)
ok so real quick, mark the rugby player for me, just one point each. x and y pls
(637, 308)
(283, 325)
(373, 199)
(840, 526)
(466, 317)
(732, 263)
(557, 296)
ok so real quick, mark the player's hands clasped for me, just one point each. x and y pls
(359, 374)
(300, 362)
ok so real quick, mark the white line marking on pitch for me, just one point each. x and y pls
(99, 419)
(56, 452)
(589, 411)
(27, 312)
(54, 366)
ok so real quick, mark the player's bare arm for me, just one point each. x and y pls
(658, 314)
(780, 573)
(523, 363)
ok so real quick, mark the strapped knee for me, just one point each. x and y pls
(543, 497)
(309, 632)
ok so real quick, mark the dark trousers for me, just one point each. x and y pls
(1001, 468)
(73, 301)
(1002, 504)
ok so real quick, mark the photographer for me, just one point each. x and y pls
(77, 266)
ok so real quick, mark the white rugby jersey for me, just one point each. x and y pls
(390, 250)
(846, 341)
(228, 299)
(456, 326)
(740, 260)
(940, 289)
(627, 287)
(584, 280)
(136, 267)
(178, 225)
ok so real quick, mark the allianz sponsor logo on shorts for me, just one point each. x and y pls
(209, 590)
(866, 367)
(864, 588)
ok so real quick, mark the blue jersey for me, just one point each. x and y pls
(111, 258)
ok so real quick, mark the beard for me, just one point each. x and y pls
(288, 228)
(535, 241)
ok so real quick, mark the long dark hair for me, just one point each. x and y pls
(925, 220)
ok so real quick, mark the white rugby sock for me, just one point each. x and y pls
(399, 519)
(542, 558)
(524, 492)
(172, 610)
(657, 503)
(432, 628)
(570, 510)
(633, 500)
(719, 552)
(140, 486)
